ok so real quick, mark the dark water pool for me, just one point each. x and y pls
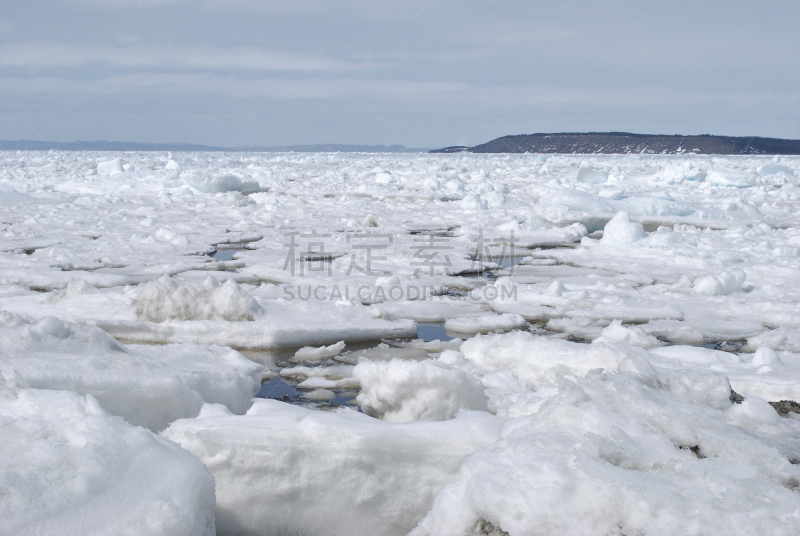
(432, 332)
(280, 389)
(225, 254)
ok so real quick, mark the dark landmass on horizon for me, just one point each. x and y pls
(627, 143)
(31, 145)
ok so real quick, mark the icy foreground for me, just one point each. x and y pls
(71, 468)
(607, 345)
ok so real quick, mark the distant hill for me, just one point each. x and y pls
(627, 143)
(29, 145)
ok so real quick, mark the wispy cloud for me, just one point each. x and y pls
(508, 98)
(285, 6)
(52, 54)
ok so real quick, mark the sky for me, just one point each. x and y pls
(421, 73)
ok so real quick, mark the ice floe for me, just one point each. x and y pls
(69, 467)
(460, 343)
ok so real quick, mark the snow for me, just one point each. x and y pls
(610, 455)
(621, 230)
(68, 467)
(589, 174)
(613, 336)
(111, 167)
(631, 335)
(403, 391)
(148, 386)
(164, 299)
(321, 473)
(485, 323)
(540, 360)
(209, 182)
(311, 354)
(723, 283)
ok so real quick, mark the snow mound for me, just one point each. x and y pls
(621, 230)
(474, 202)
(165, 299)
(612, 455)
(591, 175)
(68, 467)
(774, 169)
(720, 284)
(430, 390)
(313, 354)
(112, 167)
(485, 323)
(148, 386)
(538, 360)
(732, 178)
(777, 339)
(631, 335)
(212, 183)
(74, 288)
(327, 474)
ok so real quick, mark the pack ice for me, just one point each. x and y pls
(388, 344)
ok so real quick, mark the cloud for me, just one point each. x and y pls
(51, 54)
(460, 55)
(512, 33)
(509, 98)
(285, 6)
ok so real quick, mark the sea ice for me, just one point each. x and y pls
(403, 391)
(341, 473)
(602, 413)
(148, 386)
(69, 467)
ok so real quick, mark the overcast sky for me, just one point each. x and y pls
(420, 73)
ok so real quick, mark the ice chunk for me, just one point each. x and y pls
(591, 175)
(334, 377)
(68, 467)
(621, 230)
(328, 474)
(774, 169)
(485, 323)
(73, 288)
(766, 356)
(112, 167)
(208, 182)
(312, 354)
(729, 177)
(538, 360)
(474, 202)
(610, 455)
(146, 385)
(430, 390)
(371, 221)
(719, 284)
(165, 299)
(319, 395)
(632, 335)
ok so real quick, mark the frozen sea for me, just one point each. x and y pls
(389, 344)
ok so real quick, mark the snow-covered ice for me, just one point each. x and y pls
(69, 467)
(602, 343)
(148, 386)
(321, 473)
